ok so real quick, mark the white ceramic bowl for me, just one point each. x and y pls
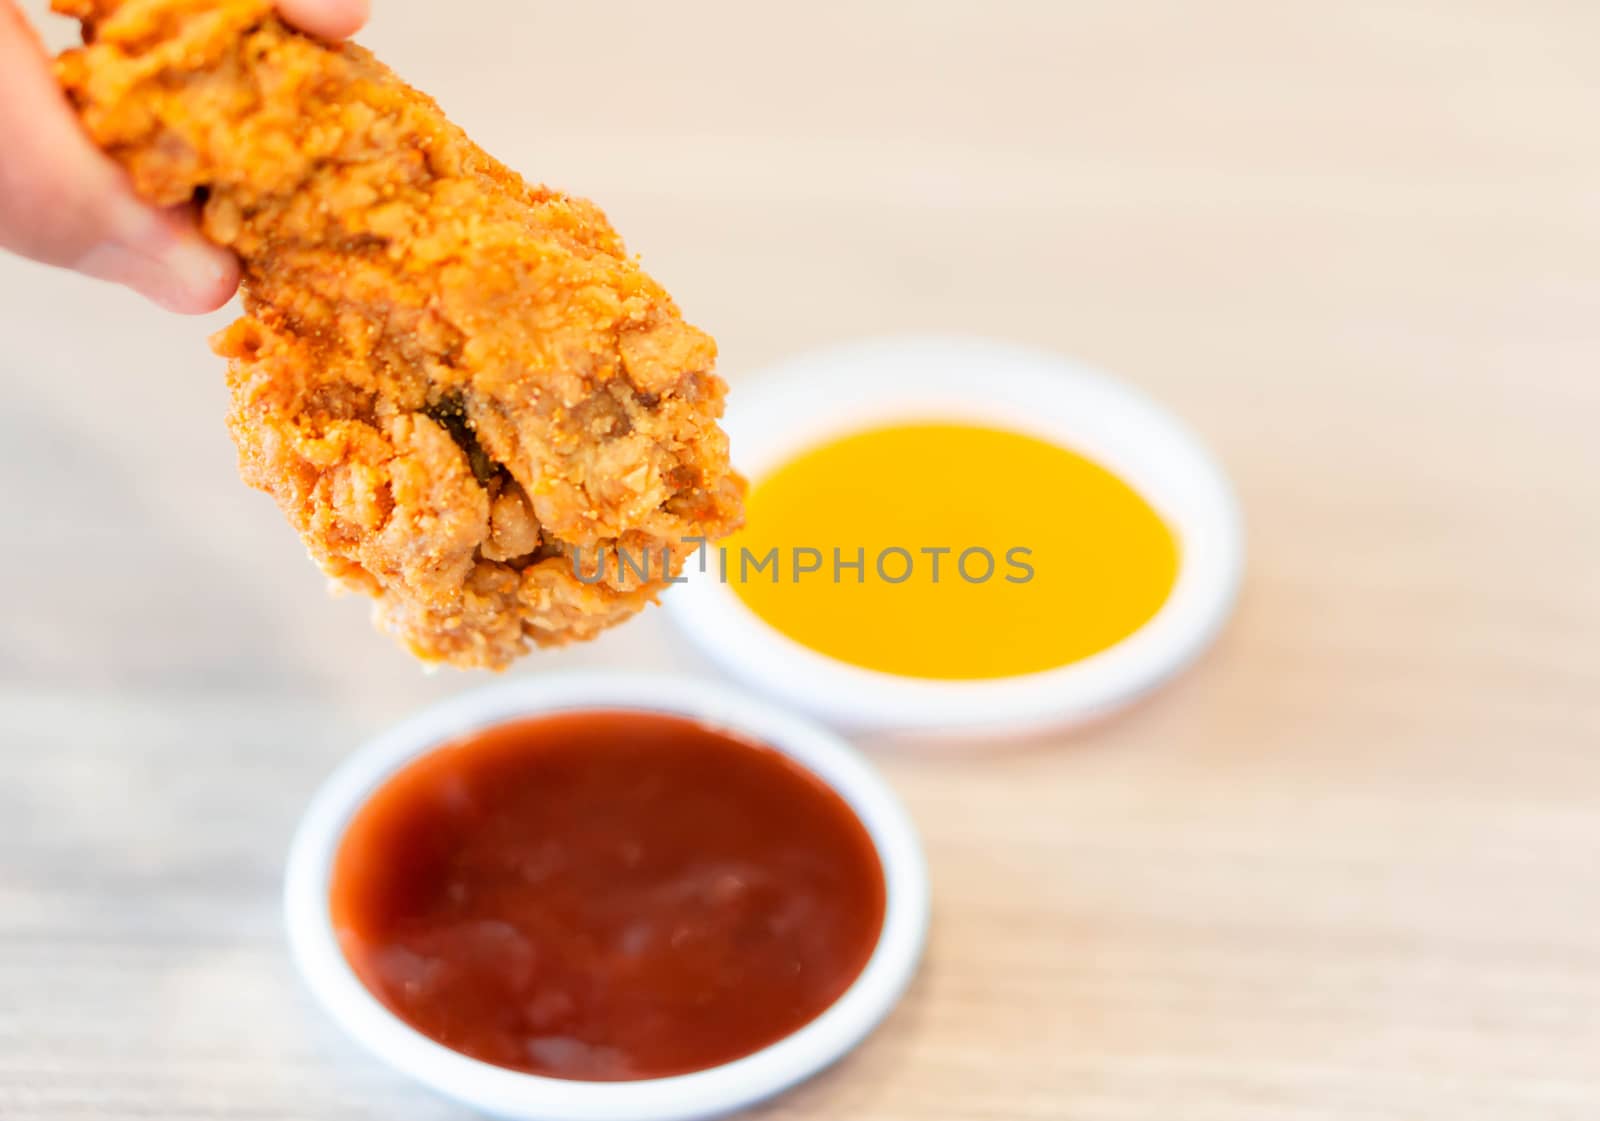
(826, 394)
(526, 1097)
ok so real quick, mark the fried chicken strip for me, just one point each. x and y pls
(447, 378)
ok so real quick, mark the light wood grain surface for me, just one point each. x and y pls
(1346, 869)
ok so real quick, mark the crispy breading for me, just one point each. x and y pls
(448, 379)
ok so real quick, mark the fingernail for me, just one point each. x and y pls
(199, 267)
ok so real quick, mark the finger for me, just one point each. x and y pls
(164, 258)
(65, 203)
(328, 19)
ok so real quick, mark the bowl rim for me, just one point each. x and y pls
(853, 387)
(512, 1094)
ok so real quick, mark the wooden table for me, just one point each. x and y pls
(1344, 869)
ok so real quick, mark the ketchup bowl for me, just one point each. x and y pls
(606, 898)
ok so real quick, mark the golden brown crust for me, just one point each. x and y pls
(446, 377)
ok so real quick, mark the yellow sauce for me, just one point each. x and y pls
(1079, 559)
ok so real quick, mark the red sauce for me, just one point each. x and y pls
(606, 895)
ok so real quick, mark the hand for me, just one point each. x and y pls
(64, 202)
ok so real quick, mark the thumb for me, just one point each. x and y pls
(65, 203)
